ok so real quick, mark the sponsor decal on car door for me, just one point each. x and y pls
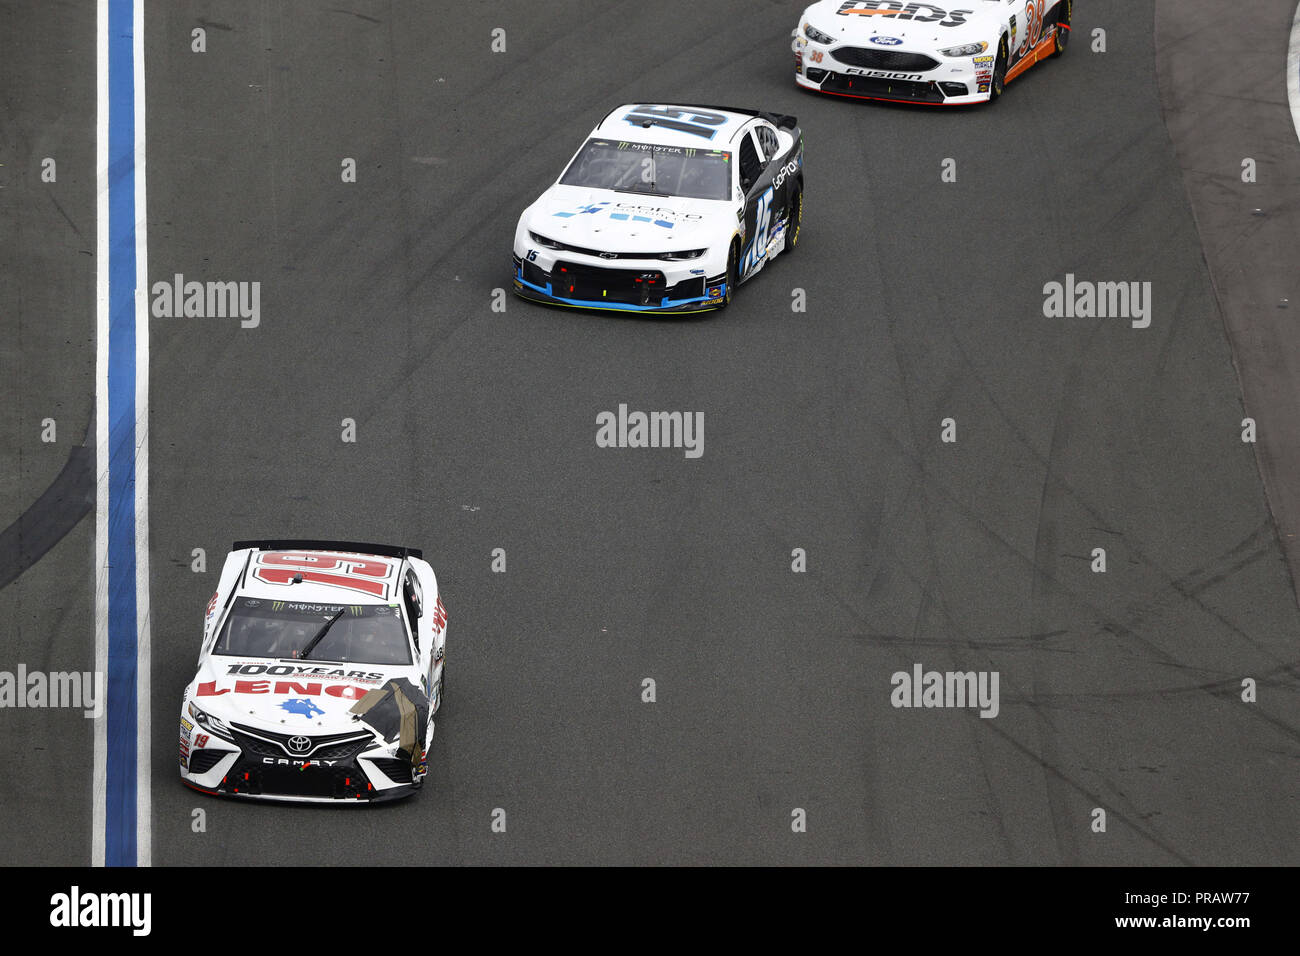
(756, 176)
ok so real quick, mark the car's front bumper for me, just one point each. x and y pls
(221, 770)
(950, 82)
(637, 286)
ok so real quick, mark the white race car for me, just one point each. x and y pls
(924, 52)
(665, 208)
(321, 668)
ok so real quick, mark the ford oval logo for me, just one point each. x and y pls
(886, 41)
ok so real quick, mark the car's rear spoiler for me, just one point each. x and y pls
(297, 544)
(780, 120)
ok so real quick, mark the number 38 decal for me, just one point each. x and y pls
(1034, 24)
(355, 572)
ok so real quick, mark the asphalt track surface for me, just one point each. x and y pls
(476, 431)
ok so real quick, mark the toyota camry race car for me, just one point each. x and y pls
(665, 208)
(321, 668)
(924, 52)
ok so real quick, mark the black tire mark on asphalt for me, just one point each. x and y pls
(68, 499)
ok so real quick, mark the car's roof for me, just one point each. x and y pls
(674, 124)
(327, 577)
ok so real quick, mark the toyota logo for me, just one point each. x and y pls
(300, 745)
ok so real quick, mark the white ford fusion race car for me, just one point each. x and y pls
(953, 53)
(665, 208)
(321, 668)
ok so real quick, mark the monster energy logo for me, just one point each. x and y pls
(356, 610)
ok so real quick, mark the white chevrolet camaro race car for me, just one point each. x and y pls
(924, 52)
(665, 208)
(321, 668)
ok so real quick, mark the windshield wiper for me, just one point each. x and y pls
(640, 192)
(320, 634)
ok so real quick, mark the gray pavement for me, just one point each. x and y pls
(1219, 120)
(47, 369)
(476, 431)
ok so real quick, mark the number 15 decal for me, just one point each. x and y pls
(762, 224)
(356, 573)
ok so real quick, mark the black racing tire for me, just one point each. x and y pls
(999, 81)
(795, 222)
(1062, 26)
(732, 270)
(442, 687)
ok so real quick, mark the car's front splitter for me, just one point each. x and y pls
(378, 796)
(535, 293)
(886, 97)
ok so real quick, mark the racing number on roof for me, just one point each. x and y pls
(696, 122)
(340, 571)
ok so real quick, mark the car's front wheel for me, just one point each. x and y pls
(730, 280)
(999, 81)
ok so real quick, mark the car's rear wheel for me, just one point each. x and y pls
(794, 221)
(1062, 26)
(999, 81)
(442, 686)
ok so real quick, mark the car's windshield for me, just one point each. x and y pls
(360, 634)
(646, 168)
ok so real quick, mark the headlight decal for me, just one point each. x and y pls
(966, 49)
(817, 36)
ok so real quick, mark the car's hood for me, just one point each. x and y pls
(922, 26)
(288, 695)
(609, 221)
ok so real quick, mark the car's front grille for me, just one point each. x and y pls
(343, 751)
(398, 771)
(201, 761)
(270, 743)
(313, 782)
(598, 285)
(885, 89)
(251, 745)
(251, 775)
(884, 59)
(624, 286)
(534, 274)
